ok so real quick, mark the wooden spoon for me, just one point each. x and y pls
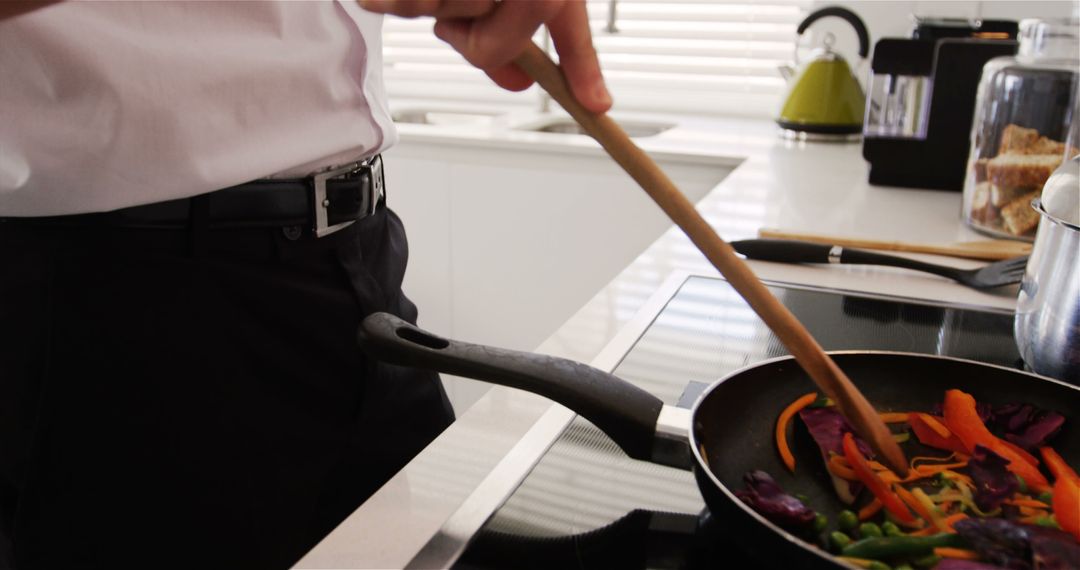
(807, 352)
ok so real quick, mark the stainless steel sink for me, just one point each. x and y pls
(633, 128)
(436, 117)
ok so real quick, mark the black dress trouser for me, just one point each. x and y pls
(175, 402)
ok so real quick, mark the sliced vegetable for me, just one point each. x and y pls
(878, 487)
(766, 497)
(925, 509)
(1052, 549)
(1031, 459)
(1057, 466)
(959, 553)
(893, 417)
(957, 564)
(781, 427)
(997, 541)
(901, 546)
(993, 481)
(869, 510)
(1025, 425)
(963, 420)
(1067, 505)
(931, 432)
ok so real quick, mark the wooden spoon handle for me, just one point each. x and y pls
(809, 354)
(990, 249)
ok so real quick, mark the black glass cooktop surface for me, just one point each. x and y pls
(585, 504)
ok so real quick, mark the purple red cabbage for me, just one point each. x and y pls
(998, 541)
(765, 496)
(993, 481)
(1025, 425)
(828, 426)
(1053, 549)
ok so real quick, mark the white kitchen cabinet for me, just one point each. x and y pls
(507, 244)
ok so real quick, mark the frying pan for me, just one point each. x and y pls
(729, 430)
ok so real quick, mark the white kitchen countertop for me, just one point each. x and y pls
(805, 187)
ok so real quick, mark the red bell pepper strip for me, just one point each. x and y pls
(1057, 466)
(962, 419)
(931, 437)
(873, 482)
(1066, 503)
(1021, 452)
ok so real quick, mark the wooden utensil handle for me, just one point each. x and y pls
(779, 319)
(990, 249)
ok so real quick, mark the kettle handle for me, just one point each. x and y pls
(848, 16)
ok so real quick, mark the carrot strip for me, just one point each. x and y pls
(926, 531)
(1066, 501)
(781, 428)
(1026, 503)
(921, 505)
(928, 470)
(932, 423)
(869, 510)
(963, 420)
(878, 487)
(1021, 452)
(953, 519)
(1057, 466)
(838, 467)
(930, 434)
(893, 417)
(961, 553)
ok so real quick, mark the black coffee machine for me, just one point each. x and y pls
(921, 100)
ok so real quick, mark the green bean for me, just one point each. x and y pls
(1046, 497)
(877, 565)
(847, 520)
(870, 530)
(895, 546)
(904, 566)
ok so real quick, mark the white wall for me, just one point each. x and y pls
(893, 18)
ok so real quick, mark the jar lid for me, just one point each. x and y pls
(1056, 38)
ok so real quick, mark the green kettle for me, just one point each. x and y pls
(824, 99)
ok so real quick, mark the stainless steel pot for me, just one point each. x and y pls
(1048, 309)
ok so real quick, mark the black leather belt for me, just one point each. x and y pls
(323, 203)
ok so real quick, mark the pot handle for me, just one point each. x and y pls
(848, 16)
(626, 413)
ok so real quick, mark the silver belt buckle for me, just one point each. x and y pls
(322, 202)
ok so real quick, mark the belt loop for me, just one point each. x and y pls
(199, 225)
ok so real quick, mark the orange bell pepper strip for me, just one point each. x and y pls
(1066, 503)
(1057, 466)
(1021, 452)
(959, 553)
(869, 510)
(781, 428)
(962, 419)
(862, 470)
(929, 431)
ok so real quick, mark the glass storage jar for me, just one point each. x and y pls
(1023, 110)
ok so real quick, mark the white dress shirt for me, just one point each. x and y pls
(105, 105)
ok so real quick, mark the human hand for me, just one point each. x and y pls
(491, 33)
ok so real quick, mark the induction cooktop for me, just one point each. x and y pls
(585, 504)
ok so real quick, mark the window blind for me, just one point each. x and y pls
(688, 56)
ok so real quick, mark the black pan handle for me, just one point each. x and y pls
(793, 251)
(626, 413)
(849, 17)
(783, 250)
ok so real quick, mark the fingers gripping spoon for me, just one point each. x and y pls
(807, 352)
